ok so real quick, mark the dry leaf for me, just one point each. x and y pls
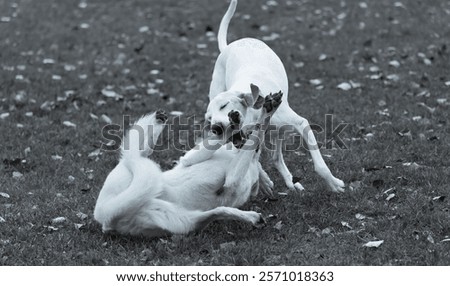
(69, 124)
(5, 195)
(78, 225)
(227, 245)
(2, 220)
(374, 244)
(394, 63)
(344, 86)
(278, 225)
(315, 81)
(360, 216)
(58, 220)
(82, 216)
(94, 153)
(439, 198)
(106, 119)
(56, 157)
(48, 61)
(390, 197)
(111, 93)
(144, 29)
(17, 175)
(346, 224)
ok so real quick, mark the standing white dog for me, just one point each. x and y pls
(248, 61)
(137, 198)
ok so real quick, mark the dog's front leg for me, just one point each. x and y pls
(203, 151)
(252, 147)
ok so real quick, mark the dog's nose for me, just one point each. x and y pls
(217, 129)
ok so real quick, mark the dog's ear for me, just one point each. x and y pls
(246, 99)
(258, 100)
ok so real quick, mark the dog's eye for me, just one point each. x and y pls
(223, 106)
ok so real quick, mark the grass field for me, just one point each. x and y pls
(67, 68)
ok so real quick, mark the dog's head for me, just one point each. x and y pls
(220, 107)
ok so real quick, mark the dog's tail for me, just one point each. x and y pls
(141, 138)
(223, 28)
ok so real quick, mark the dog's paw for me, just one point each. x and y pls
(261, 222)
(272, 102)
(298, 187)
(161, 116)
(336, 185)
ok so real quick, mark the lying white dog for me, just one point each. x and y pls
(137, 198)
(247, 61)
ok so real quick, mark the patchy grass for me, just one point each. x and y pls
(397, 136)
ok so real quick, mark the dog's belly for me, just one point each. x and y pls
(198, 187)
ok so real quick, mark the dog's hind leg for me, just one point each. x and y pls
(163, 217)
(301, 125)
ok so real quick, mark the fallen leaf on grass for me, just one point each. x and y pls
(5, 195)
(2, 220)
(346, 224)
(412, 165)
(94, 153)
(81, 215)
(344, 86)
(278, 225)
(56, 157)
(374, 244)
(390, 197)
(4, 115)
(107, 92)
(360, 216)
(58, 220)
(430, 238)
(51, 228)
(17, 175)
(78, 225)
(439, 198)
(272, 37)
(446, 240)
(430, 109)
(227, 245)
(105, 118)
(326, 230)
(355, 185)
(69, 124)
(144, 29)
(315, 81)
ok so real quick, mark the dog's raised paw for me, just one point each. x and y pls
(161, 116)
(272, 101)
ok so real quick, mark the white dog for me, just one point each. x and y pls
(137, 198)
(247, 61)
